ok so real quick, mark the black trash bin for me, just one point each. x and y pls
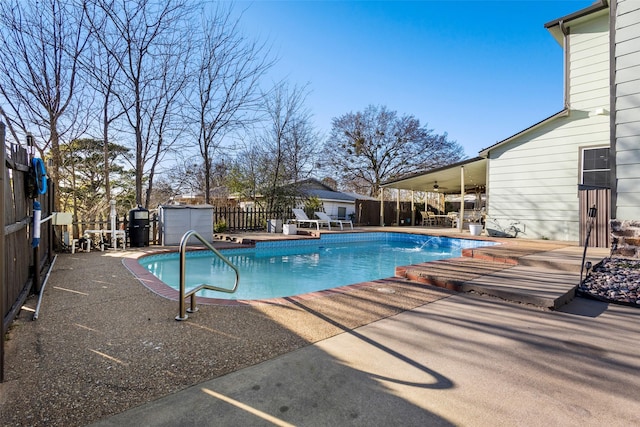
(139, 227)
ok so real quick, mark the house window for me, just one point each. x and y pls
(342, 213)
(595, 167)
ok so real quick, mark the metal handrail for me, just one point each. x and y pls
(192, 293)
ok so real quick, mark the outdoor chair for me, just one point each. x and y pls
(428, 218)
(302, 218)
(453, 217)
(324, 217)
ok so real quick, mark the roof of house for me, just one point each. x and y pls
(562, 113)
(360, 196)
(314, 188)
(448, 178)
(558, 27)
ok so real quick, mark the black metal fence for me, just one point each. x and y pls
(238, 219)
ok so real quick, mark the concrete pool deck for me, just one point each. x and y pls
(463, 360)
(393, 353)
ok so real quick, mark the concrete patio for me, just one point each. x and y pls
(106, 350)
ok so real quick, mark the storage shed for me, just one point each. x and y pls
(176, 220)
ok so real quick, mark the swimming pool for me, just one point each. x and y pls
(286, 268)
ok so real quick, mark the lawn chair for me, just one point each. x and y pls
(324, 217)
(428, 218)
(453, 217)
(302, 218)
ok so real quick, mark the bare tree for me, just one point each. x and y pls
(150, 42)
(287, 143)
(375, 145)
(101, 70)
(303, 144)
(40, 51)
(228, 72)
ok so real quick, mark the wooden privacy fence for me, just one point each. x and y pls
(22, 264)
(589, 197)
(368, 212)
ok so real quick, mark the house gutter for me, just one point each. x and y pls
(595, 7)
(563, 113)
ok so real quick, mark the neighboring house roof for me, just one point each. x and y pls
(328, 195)
(563, 113)
(314, 188)
(360, 196)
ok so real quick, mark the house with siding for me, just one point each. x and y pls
(336, 204)
(625, 125)
(533, 176)
(537, 177)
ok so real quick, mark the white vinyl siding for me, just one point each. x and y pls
(627, 104)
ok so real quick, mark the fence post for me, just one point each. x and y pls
(155, 229)
(3, 282)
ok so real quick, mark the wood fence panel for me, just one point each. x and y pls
(368, 212)
(21, 263)
(600, 198)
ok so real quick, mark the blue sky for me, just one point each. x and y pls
(479, 70)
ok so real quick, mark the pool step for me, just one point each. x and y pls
(541, 287)
(450, 273)
(528, 275)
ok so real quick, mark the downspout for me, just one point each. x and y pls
(565, 31)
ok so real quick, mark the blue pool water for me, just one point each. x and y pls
(287, 268)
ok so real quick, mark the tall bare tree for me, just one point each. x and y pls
(288, 142)
(376, 144)
(228, 71)
(150, 42)
(101, 70)
(40, 51)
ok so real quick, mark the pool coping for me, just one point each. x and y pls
(160, 288)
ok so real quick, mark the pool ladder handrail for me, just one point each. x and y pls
(182, 315)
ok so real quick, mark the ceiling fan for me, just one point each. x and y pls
(436, 187)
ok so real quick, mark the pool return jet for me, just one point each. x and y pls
(182, 315)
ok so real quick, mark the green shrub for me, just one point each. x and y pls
(220, 226)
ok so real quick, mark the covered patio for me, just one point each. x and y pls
(462, 178)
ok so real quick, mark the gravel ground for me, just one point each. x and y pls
(614, 280)
(103, 343)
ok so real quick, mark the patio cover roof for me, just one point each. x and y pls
(447, 177)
